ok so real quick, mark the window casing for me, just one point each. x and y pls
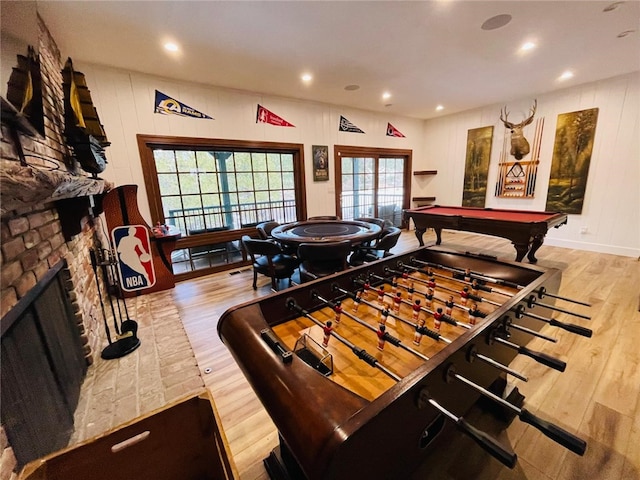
(215, 191)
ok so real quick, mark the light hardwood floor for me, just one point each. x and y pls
(597, 397)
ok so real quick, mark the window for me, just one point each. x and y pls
(372, 182)
(216, 191)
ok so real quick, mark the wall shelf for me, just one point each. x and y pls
(425, 172)
(423, 199)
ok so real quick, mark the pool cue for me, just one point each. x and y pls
(423, 330)
(554, 432)
(361, 353)
(396, 342)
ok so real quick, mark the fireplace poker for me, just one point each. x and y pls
(94, 264)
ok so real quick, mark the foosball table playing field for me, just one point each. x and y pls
(363, 370)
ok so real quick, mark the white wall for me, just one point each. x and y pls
(611, 213)
(125, 102)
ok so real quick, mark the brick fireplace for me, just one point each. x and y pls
(44, 216)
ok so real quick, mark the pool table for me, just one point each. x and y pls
(524, 228)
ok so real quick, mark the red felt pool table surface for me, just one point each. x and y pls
(526, 229)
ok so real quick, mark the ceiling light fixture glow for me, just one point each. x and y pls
(386, 96)
(171, 47)
(439, 108)
(527, 46)
(566, 75)
(306, 77)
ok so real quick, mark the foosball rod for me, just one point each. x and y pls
(479, 286)
(477, 275)
(361, 353)
(508, 323)
(425, 331)
(554, 432)
(520, 311)
(542, 292)
(471, 296)
(472, 353)
(485, 441)
(396, 342)
(539, 357)
(532, 301)
(445, 318)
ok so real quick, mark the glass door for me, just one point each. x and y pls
(374, 183)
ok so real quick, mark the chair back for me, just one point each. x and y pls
(321, 259)
(325, 217)
(264, 229)
(377, 221)
(255, 246)
(389, 239)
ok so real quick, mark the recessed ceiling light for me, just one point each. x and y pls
(351, 88)
(389, 105)
(566, 75)
(306, 77)
(526, 46)
(496, 22)
(386, 96)
(612, 7)
(439, 107)
(171, 47)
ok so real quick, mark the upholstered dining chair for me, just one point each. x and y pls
(322, 259)
(380, 249)
(264, 229)
(269, 259)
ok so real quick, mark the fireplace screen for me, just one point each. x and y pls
(43, 366)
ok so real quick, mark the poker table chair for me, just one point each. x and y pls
(380, 249)
(268, 259)
(322, 259)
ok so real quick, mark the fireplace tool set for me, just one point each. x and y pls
(126, 339)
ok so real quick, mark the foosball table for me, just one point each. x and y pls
(361, 371)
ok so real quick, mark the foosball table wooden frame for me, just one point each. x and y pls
(327, 430)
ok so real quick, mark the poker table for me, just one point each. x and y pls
(525, 229)
(321, 231)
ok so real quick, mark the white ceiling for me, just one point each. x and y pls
(424, 53)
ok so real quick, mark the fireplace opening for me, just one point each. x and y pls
(43, 366)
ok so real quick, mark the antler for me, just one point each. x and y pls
(509, 125)
(533, 112)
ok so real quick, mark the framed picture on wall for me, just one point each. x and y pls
(320, 163)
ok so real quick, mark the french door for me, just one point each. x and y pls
(372, 182)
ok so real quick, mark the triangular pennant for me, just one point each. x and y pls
(347, 126)
(393, 131)
(170, 106)
(265, 116)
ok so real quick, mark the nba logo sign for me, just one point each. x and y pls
(135, 267)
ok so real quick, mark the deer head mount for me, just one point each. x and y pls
(519, 144)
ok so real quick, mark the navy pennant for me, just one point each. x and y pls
(170, 106)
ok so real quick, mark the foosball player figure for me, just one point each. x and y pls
(431, 283)
(384, 315)
(418, 335)
(416, 310)
(429, 297)
(410, 291)
(437, 318)
(474, 314)
(467, 275)
(464, 295)
(394, 285)
(327, 329)
(365, 288)
(449, 305)
(381, 333)
(381, 295)
(405, 277)
(475, 288)
(356, 301)
(397, 301)
(338, 310)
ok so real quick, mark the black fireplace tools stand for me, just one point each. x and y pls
(126, 330)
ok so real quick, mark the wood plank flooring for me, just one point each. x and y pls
(597, 397)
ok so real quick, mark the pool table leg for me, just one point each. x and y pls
(419, 232)
(535, 245)
(521, 250)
